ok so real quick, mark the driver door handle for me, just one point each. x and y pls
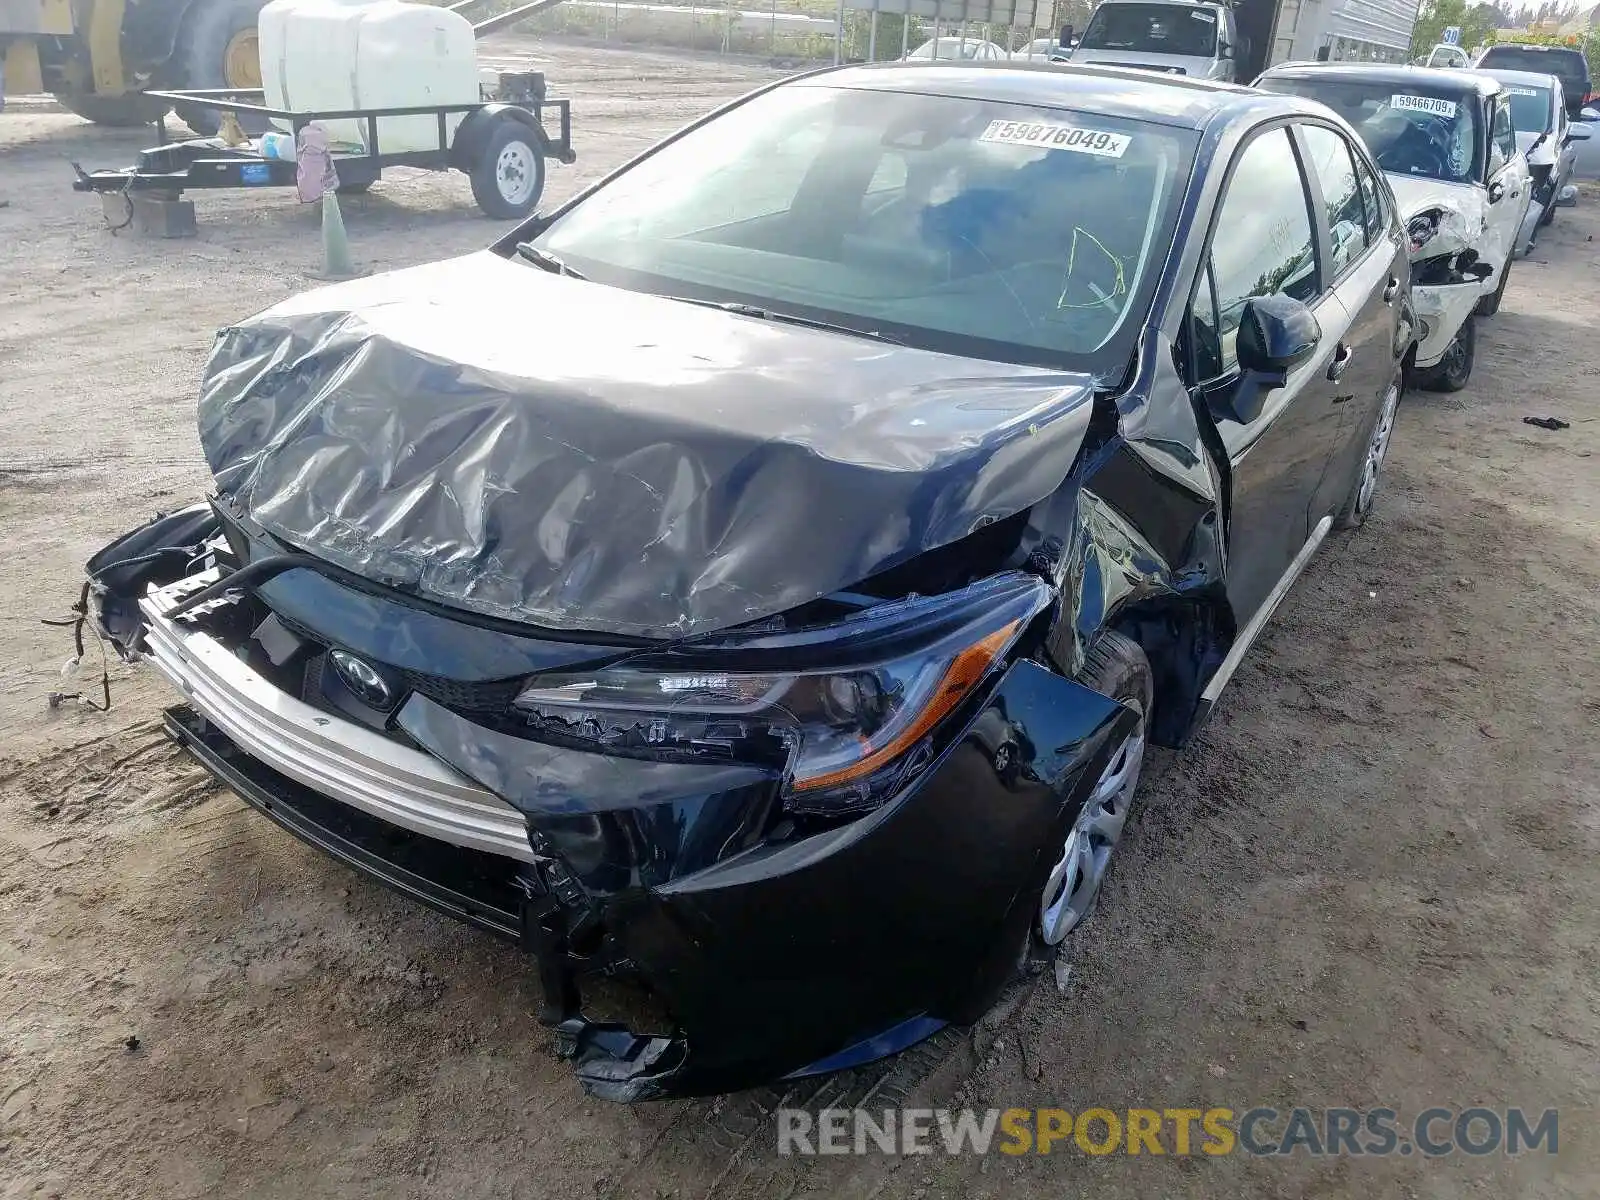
(1393, 290)
(1341, 359)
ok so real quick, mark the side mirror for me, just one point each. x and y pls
(1224, 50)
(1579, 133)
(1589, 114)
(1276, 335)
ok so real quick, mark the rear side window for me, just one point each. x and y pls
(1335, 171)
(1372, 205)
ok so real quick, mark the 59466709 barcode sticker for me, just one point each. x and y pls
(1427, 104)
(1057, 137)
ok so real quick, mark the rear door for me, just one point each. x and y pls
(1366, 268)
(1265, 241)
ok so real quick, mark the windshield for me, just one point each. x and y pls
(974, 227)
(949, 47)
(1153, 29)
(1568, 64)
(1530, 108)
(1411, 129)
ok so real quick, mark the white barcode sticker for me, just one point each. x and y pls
(1523, 91)
(1057, 137)
(1427, 104)
(1208, 18)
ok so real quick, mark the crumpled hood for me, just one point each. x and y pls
(578, 457)
(1457, 212)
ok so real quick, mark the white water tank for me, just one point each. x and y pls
(333, 55)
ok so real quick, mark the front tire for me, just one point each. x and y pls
(1114, 666)
(218, 48)
(1450, 373)
(509, 176)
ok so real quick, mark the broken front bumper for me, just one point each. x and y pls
(1441, 311)
(338, 758)
(764, 951)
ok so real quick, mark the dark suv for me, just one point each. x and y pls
(1567, 63)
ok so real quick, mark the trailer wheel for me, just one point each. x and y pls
(509, 176)
(218, 48)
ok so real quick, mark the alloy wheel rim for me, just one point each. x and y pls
(1075, 880)
(514, 172)
(1377, 449)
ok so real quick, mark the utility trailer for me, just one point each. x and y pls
(500, 143)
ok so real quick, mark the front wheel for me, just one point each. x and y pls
(509, 176)
(1114, 666)
(1489, 305)
(1450, 373)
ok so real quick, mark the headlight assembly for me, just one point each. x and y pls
(849, 711)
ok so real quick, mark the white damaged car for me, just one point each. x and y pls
(1548, 139)
(1446, 141)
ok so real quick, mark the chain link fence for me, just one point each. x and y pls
(801, 32)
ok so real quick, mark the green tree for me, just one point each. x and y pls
(1477, 24)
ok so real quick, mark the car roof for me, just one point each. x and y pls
(1523, 78)
(1461, 80)
(1116, 91)
(1536, 47)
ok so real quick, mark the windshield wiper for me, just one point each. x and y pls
(545, 260)
(768, 314)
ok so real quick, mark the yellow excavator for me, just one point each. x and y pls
(99, 56)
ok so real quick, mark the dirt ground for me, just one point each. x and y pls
(1372, 881)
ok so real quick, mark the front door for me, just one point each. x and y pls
(1264, 241)
(1510, 190)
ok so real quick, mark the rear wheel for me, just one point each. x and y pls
(1369, 470)
(1450, 373)
(219, 48)
(509, 176)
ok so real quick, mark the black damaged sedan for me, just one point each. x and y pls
(753, 586)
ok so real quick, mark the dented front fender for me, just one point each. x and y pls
(794, 951)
